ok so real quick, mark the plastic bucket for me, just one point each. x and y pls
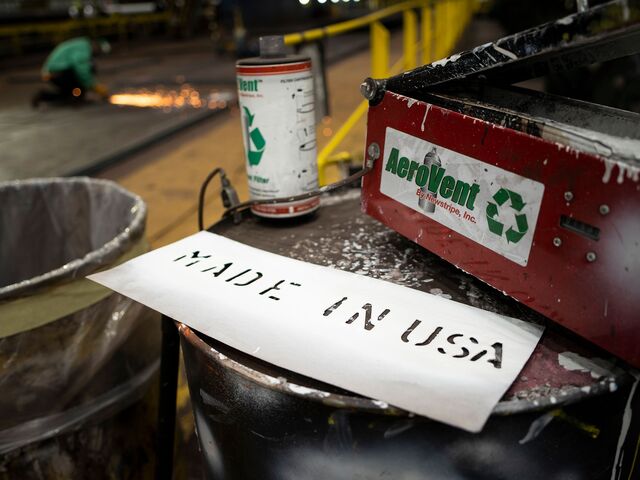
(72, 353)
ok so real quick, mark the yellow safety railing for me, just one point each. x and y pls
(440, 26)
(56, 32)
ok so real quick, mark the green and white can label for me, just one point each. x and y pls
(487, 204)
(278, 127)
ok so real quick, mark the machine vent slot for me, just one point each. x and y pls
(581, 228)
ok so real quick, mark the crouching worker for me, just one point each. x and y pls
(70, 69)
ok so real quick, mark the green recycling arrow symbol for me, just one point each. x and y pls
(255, 139)
(513, 235)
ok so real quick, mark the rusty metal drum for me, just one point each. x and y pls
(569, 415)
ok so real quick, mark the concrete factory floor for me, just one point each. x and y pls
(56, 140)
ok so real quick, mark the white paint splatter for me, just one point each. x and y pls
(608, 168)
(624, 430)
(631, 172)
(273, 380)
(565, 21)
(439, 293)
(410, 101)
(595, 366)
(621, 169)
(426, 112)
(505, 52)
(480, 47)
(300, 390)
(444, 61)
(536, 427)
(380, 403)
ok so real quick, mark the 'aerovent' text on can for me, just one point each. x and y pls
(275, 93)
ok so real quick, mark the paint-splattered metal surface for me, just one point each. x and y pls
(602, 32)
(562, 417)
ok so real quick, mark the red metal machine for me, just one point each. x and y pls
(536, 195)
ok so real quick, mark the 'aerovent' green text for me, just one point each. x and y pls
(435, 179)
(247, 85)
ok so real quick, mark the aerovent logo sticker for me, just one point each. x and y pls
(493, 207)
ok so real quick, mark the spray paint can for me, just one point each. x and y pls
(275, 93)
(431, 158)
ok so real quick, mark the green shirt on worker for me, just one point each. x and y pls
(75, 54)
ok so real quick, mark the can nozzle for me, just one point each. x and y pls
(272, 46)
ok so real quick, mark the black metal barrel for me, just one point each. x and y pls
(567, 416)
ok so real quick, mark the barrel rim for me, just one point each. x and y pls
(281, 384)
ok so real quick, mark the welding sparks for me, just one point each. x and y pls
(172, 99)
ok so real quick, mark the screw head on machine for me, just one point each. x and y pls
(557, 241)
(604, 209)
(591, 256)
(373, 150)
(568, 196)
(368, 88)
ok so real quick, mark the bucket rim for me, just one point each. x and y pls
(93, 260)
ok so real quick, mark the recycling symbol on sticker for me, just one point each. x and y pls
(513, 235)
(256, 142)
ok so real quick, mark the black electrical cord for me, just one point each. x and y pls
(234, 207)
(203, 190)
(327, 188)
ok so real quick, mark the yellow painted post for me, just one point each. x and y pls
(410, 23)
(440, 28)
(456, 21)
(465, 10)
(436, 24)
(463, 17)
(337, 138)
(427, 34)
(379, 50)
(447, 27)
(472, 7)
(453, 21)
